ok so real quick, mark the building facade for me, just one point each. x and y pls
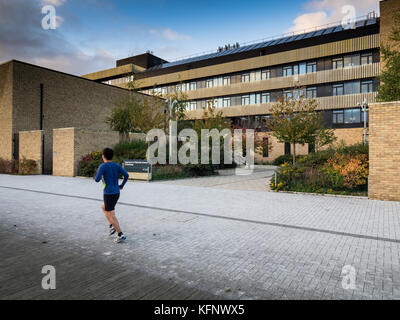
(337, 65)
(36, 98)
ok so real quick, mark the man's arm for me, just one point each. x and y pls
(99, 174)
(126, 177)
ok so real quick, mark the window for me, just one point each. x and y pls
(253, 98)
(227, 81)
(338, 116)
(245, 100)
(311, 93)
(265, 74)
(352, 60)
(258, 75)
(218, 102)
(288, 95)
(296, 69)
(311, 67)
(338, 89)
(266, 97)
(303, 68)
(215, 82)
(366, 58)
(193, 85)
(366, 86)
(246, 77)
(287, 71)
(337, 63)
(192, 105)
(227, 102)
(352, 115)
(352, 87)
(209, 83)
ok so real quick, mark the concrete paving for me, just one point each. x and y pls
(189, 242)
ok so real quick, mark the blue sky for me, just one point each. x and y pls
(92, 34)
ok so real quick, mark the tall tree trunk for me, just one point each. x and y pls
(294, 153)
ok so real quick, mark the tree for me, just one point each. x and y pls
(296, 121)
(389, 89)
(121, 121)
(137, 113)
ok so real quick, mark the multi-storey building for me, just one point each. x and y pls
(337, 65)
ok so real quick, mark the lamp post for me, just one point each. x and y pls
(171, 107)
(364, 111)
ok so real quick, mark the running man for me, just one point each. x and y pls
(110, 171)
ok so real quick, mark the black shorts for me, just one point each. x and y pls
(110, 200)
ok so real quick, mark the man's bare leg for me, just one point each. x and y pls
(113, 220)
(105, 213)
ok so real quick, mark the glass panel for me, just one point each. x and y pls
(352, 116)
(338, 89)
(352, 87)
(253, 98)
(296, 69)
(246, 77)
(303, 68)
(265, 74)
(366, 86)
(265, 98)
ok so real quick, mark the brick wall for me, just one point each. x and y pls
(63, 152)
(71, 144)
(6, 81)
(68, 101)
(30, 147)
(384, 140)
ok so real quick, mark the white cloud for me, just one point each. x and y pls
(322, 12)
(169, 34)
(55, 3)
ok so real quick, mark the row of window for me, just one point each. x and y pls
(353, 87)
(117, 81)
(347, 116)
(264, 74)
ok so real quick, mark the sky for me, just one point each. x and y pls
(91, 35)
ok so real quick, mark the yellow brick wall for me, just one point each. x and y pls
(71, 144)
(86, 141)
(6, 81)
(30, 147)
(63, 152)
(384, 176)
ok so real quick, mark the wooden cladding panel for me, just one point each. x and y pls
(318, 51)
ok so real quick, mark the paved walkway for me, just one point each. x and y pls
(257, 180)
(194, 242)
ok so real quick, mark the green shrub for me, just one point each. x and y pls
(8, 166)
(343, 169)
(284, 158)
(135, 149)
(27, 166)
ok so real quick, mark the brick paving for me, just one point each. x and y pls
(194, 242)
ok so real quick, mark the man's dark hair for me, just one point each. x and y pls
(108, 153)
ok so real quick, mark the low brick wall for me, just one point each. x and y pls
(71, 144)
(384, 141)
(30, 147)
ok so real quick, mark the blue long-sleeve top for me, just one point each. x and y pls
(110, 171)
